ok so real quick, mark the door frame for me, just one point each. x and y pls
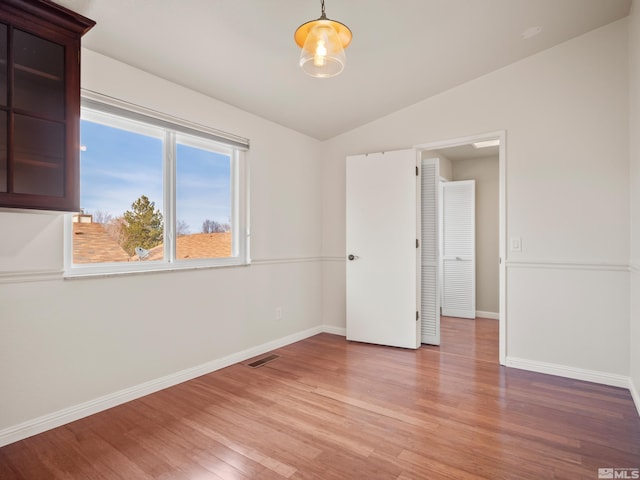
(502, 238)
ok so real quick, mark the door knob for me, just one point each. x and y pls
(353, 257)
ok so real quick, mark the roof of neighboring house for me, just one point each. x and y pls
(197, 245)
(92, 244)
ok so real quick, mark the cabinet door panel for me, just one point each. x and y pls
(38, 75)
(39, 156)
(3, 64)
(3, 151)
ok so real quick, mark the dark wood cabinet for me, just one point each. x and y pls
(40, 105)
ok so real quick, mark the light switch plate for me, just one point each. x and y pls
(516, 244)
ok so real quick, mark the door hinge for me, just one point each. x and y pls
(417, 316)
(417, 243)
(417, 171)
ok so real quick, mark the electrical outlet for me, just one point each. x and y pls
(278, 313)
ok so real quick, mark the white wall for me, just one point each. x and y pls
(67, 342)
(634, 103)
(565, 112)
(485, 172)
(444, 165)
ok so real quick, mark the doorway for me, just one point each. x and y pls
(458, 157)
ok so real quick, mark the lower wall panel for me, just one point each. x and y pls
(56, 419)
(65, 343)
(574, 317)
(334, 292)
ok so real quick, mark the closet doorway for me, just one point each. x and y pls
(449, 274)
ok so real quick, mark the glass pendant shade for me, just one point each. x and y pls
(323, 42)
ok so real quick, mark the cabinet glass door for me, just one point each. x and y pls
(3, 64)
(39, 157)
(3, 103)
(38, 116)
(38, 73)
(3, 151)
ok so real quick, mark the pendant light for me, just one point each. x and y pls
(323, 42)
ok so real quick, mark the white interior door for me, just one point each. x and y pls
(382, 259)
(430, 292)
(458, 249)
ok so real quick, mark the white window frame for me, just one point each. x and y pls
(188, 133)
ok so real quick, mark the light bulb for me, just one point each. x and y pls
(320, 57)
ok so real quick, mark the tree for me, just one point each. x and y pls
(182, 228)
(211, 226)
(116, 229)
(102, 217)
(143, 225)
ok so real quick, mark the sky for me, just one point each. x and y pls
(118, 166)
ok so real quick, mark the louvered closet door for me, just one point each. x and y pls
(430, 295)
(458, 249)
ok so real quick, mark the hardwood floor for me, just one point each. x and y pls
(331, 409)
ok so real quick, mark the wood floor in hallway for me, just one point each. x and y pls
(333, 410)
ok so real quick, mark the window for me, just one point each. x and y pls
(156, 193)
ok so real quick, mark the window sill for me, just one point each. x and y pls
(137, 268)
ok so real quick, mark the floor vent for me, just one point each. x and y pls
(263, 361)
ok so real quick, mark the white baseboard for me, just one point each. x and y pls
(635, 394)
(76, 412)
(571, 372)
(335, 330)
(490, 315)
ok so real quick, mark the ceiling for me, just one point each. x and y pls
(242, 51)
